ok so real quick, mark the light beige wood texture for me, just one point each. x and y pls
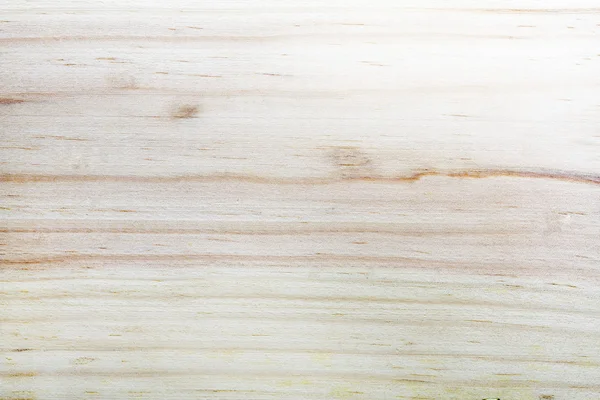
(300, 199)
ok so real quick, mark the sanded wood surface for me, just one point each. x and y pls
(300, 199)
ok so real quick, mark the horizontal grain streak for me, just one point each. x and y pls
(541, 10)
(278, 232)
(213, 257)
(321, 260)
(269, 375)
(248, 39)
(7, 101)
(338, 301)
(332, 320)
(375, 351)
(567, 176)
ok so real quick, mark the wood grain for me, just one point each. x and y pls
(300, 200)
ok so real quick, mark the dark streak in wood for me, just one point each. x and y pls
(8, 101)
(185, 111)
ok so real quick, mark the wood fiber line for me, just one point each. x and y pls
(566, 176)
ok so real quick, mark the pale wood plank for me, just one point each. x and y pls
(300, 200)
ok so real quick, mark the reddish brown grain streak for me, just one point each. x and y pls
(567, 176)
(8, 100)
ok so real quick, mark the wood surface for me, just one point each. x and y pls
(277, 199)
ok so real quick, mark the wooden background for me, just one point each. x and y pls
(277, 199)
